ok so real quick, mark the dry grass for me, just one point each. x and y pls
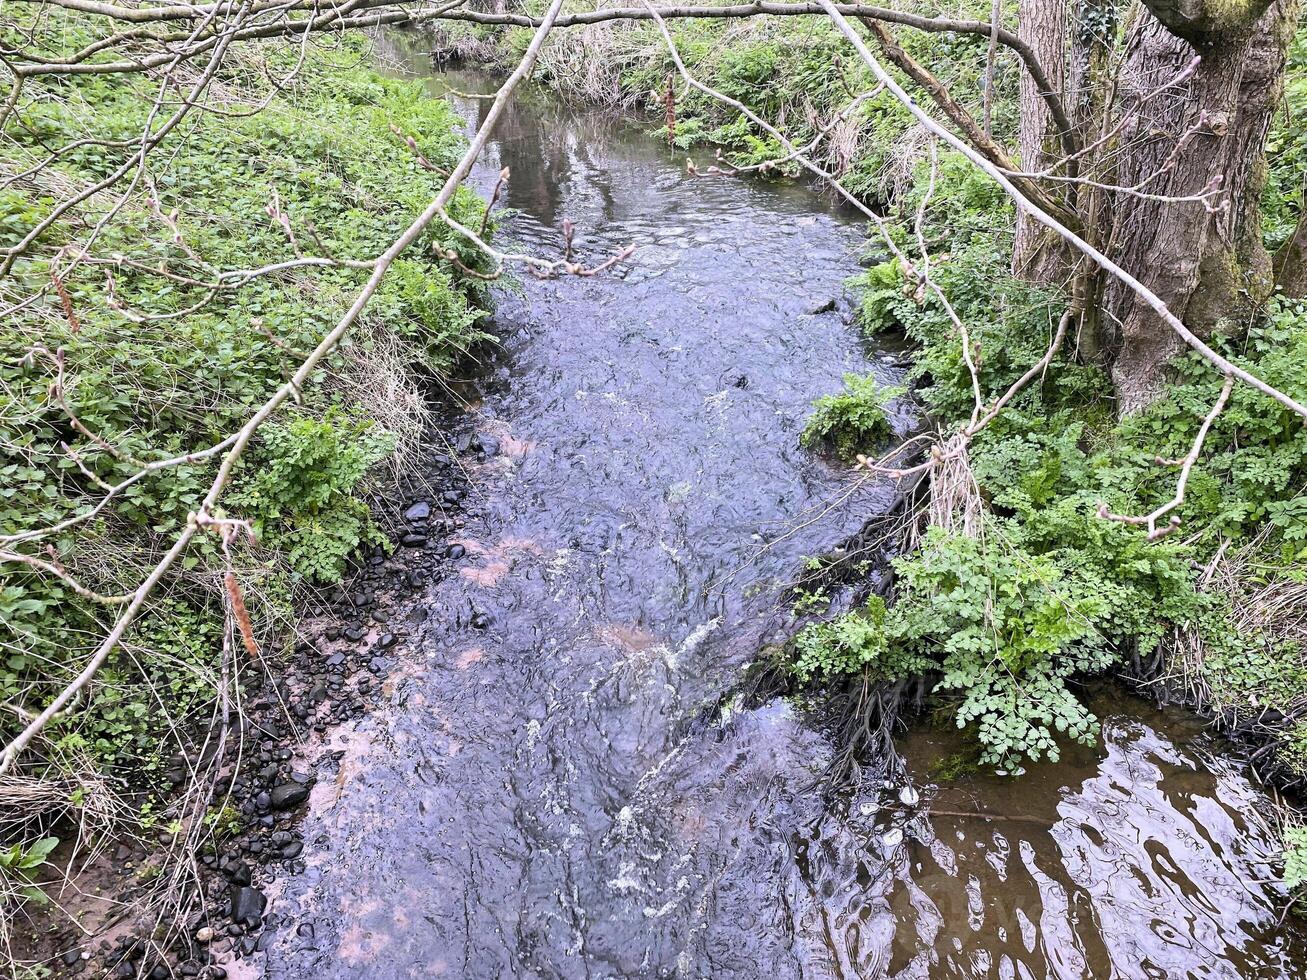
(376, 375)
(952, 500)
(1267, 606)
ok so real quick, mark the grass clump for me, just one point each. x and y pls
(852, 421)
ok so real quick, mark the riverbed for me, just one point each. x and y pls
(548, 790)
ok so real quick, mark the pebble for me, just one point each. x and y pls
(419, 511)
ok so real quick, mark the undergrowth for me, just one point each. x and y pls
(154, 372)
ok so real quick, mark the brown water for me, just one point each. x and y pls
(541, 798)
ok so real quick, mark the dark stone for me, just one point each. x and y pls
(386, 641)
(455, 551)
(287, 795)
(292, 850)
(414, 539)
(71, 957)
(262, 801)
(420, 511)
(160, 972)
(490, 445)
(239, 873)
(362, 600)
(247, 904)
(336, 660)
(305, 930)
(480, 621)
(354, 634)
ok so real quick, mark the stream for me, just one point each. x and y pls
(547, 795)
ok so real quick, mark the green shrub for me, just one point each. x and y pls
(852, 421)
(1295, 857)
(298, 491)
(19, 864)
(851, 644)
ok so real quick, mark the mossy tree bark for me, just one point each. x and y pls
(1204, 259)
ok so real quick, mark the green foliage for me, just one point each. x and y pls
(154, 371)
(852, 421)
(1295, 857)
(298, 491)
(853, 643)
(1286, 152)
(19, 864)
(1292, 753)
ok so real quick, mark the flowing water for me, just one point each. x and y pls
(542, 798)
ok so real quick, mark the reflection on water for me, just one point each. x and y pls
(535, 801)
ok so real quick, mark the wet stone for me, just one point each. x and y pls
(289, 794)
(247, 904)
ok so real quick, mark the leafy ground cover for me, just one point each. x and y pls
(133, 358)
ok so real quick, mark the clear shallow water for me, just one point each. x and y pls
(537, 800)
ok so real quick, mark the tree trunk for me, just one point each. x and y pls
(1204, 259)
(1037, 255)
(1291, 260)
(1093, 35)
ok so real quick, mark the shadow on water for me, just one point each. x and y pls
(533, 801)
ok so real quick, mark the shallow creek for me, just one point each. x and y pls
(542, 797)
